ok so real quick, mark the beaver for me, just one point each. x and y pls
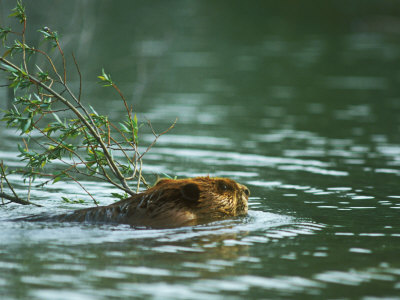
(169, 203)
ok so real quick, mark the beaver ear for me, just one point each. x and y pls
(190, 192)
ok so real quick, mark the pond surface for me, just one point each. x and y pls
(300, 102)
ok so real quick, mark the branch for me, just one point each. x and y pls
(92, 129)
(17, 199)
(14, 198)
(3, 175)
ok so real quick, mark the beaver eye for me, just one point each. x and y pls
(222, 186)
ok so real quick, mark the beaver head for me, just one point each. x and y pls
(177, 202)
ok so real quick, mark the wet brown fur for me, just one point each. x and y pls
(171, 203)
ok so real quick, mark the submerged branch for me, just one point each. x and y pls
(17, 199)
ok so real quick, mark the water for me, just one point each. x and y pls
(299, 102)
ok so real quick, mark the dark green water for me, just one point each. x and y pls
(300, 101)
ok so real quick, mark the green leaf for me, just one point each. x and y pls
(106, 79)
(78, 201)
(93, 110)
(65, 199)
(124, 128)
(7, 53)
(57, 118)
(119, 196)
(56, 179)
(19, 12)
(9, 68)
(4, 33)
(27, 125)
(20, 149)
(167, 176)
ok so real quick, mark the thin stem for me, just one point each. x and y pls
(87, 192)
(30, 178)
(135, 155)
(110, 138)
(1, 188)
(23, 47)
(29, 188)
(51, 63)
(140, 176)
(63, 58)
(3, 173)
(105, 174)
(157, 136)
(127, 109)
(80, 77)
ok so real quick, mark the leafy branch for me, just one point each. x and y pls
(58, 128)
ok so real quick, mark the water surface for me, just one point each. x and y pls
(300, 102)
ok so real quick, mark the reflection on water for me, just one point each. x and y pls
(131, 258)
(270, 226)
(306, 116)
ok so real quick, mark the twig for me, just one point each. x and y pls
(87, 192)
(80, 77)
(3, 173)
(127, 109)
(30, 178)
(23, 47)
(110, 138)
(63, 58)
(157, 136)
(51, 63)
(1, 188)
(140, 176)
(105, 174)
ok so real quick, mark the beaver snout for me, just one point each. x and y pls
(242, 204)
